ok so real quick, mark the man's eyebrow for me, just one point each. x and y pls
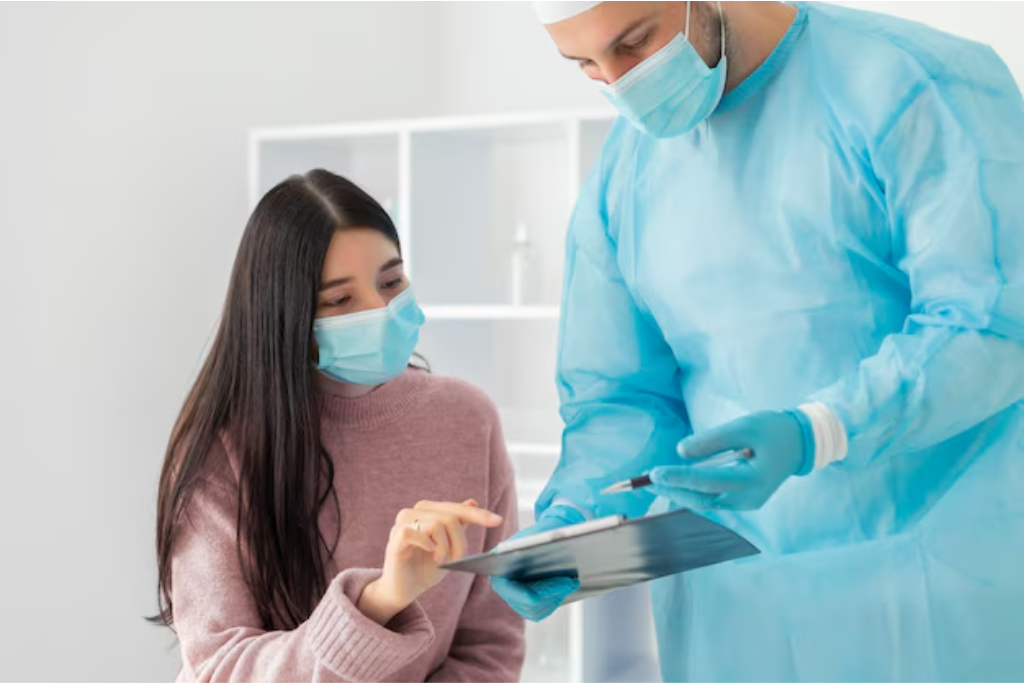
(615, 42)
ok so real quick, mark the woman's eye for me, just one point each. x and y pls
(340, 301)
(392, 284)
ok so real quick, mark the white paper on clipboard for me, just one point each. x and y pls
(559, 533)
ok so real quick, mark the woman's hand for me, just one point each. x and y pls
(423, 538)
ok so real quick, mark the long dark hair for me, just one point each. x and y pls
(256, 389)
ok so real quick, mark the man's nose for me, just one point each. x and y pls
(613, 70)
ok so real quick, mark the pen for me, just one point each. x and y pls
(645, 480)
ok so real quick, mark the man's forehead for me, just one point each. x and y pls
(595, 31)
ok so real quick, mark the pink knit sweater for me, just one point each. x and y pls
(417, 437)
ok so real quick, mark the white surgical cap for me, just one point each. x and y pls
(553, 12)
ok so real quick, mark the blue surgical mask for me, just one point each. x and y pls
(370, 347)
(671, 91)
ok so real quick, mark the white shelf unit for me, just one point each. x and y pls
(463, 192)
(496, 312)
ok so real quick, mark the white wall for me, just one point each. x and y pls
(122, 199)
(497, 58)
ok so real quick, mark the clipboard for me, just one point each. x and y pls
(613, 552)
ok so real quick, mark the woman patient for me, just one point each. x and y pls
(306, 499)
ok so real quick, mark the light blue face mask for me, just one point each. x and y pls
(370, 347)
(671, 91)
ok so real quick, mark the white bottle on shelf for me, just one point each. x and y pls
(520, 262)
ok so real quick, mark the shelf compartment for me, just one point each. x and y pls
(471, 191)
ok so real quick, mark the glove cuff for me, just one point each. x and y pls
(829, 434)
(565, 511)
(806, 440)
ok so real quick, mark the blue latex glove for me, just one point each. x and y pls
(537, 600)
(782, 445)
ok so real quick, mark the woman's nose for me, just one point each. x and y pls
(371, 301)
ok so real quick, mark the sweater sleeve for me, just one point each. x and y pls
(220, 631)
(489, 643)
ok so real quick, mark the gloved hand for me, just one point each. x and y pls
(537, 600)
(782, 445)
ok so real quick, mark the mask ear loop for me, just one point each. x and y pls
(721, 25)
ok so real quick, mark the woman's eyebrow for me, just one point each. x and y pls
(397, 261)
(335, 282)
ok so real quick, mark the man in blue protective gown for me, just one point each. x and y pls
(805, 237)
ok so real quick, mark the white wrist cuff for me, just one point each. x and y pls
(830, 441)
